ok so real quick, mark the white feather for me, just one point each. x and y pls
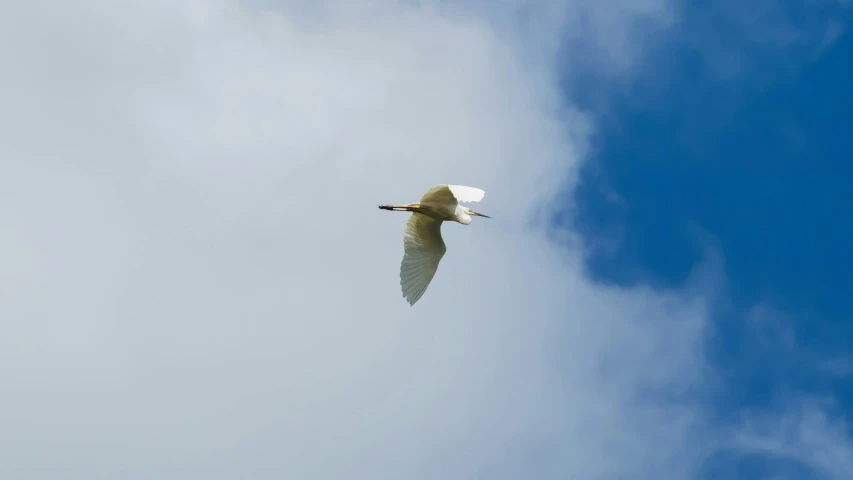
(424, 248)
(452, 194)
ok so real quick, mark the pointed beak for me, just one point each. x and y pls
(480, 214)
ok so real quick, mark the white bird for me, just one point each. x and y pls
(422, 241)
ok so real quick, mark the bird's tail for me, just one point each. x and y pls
(401, 208)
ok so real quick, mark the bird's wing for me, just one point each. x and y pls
(466, 194)
(424, 249)
(447, 194)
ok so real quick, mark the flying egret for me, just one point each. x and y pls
(422, 241)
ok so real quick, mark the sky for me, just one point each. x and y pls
(196, 281)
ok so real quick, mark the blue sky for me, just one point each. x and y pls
(732, 139)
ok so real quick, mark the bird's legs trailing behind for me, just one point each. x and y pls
(412, 207)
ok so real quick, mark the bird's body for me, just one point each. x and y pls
(422, 241)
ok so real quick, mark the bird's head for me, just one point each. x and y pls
(475, 214)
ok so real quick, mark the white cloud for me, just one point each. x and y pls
(197, 282)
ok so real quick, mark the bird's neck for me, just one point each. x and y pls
(463, 218)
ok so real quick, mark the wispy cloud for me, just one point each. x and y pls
(834, 30)
(808, 431)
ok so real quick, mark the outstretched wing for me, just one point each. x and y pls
(424, 249)
(447, 194)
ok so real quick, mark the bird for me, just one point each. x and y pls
(422, 240)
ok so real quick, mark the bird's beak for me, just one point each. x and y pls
(480, 214)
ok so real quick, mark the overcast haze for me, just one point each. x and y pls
(197, 283)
